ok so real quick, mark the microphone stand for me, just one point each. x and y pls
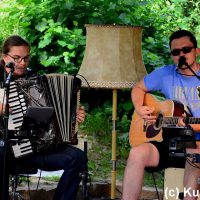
(4, 175)
(186, 64)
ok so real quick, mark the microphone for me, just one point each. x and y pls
(181, 62)
(10, 65)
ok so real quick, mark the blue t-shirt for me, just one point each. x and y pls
(175, 86)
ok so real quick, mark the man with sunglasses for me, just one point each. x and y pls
(179, 82)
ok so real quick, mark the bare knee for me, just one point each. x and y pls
(145, 154)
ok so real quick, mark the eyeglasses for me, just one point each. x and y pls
(18, 59)
(185, 50)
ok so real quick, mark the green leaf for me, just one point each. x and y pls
(70, 46)
(58, 29)
(46, 40)
(62, 43)
(41, 26)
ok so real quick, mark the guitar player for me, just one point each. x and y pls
(179, 82)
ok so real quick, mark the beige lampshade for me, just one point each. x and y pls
(113, 56)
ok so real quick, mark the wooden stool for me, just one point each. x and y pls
(173, 183)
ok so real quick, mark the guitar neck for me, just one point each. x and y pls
(174, 120)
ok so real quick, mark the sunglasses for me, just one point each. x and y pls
(185, 50)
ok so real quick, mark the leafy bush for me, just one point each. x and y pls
(55, 28)
(98, 121)
(123, 146)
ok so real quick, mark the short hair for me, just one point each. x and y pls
(13, 40)
(183, 33)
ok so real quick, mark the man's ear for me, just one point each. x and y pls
(197, 51)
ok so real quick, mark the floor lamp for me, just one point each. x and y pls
(112, 60)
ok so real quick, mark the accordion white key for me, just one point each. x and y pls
(17, 105)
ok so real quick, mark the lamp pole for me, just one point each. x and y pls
(114, 144)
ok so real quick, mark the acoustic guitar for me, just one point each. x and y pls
(167, 112)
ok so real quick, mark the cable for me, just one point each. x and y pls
(191, 163)
(155, 186)
(188, 67)
(84, 79)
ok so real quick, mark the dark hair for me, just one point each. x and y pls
(183, 33)
(14, 40)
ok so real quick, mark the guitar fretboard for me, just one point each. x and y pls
(174, 120)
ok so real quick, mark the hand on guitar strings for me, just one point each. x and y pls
(147, 114)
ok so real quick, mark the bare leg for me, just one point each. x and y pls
(145, 155)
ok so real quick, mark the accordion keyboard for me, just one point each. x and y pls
(17, 106)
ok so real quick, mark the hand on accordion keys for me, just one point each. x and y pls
(80, 115)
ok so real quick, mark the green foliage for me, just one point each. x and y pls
(123, 146)
(55, 28)
(125, 110)
(98, 121)
(99, 163)
(24, 179)
(159, 178)
(55, 47)
(52, 178)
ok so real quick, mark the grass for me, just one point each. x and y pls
(52, 178)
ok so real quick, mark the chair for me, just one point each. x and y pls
(15, 181)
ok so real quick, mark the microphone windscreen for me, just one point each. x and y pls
(181, 62)
(10, 65)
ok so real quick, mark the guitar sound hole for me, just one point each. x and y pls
(151, 131)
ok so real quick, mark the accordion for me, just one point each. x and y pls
(58, 91)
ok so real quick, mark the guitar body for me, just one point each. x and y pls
(138, 134)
